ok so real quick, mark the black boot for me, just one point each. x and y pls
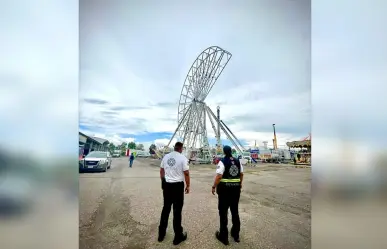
(235, 236)
(222, 239)
(180, 238)
(162, 233)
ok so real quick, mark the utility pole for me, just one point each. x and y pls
(218, 141)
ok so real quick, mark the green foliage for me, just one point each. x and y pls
(152, 148)
(112, 147)
(132, 145)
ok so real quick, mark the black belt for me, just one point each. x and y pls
(175, 182)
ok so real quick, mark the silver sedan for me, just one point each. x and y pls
(96, 161)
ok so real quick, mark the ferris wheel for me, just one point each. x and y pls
(192, 110)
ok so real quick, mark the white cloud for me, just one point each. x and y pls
(164, 141)
(164, 119)
(115, 139)
(131, 76)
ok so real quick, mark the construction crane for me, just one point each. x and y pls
(275, 138)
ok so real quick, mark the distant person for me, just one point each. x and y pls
(228, 185)
(174, 170)
(131, 159)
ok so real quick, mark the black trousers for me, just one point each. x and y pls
(173, 195)
(228, 197)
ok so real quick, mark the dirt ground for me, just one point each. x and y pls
(121, 208)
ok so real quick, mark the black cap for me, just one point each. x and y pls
(227, 150)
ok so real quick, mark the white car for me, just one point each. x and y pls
(117, 153)
(143, 154)
(97, 161)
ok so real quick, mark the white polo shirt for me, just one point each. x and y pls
(174, 165)
(220, 168)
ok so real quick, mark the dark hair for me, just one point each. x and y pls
(178, 146)
(227, 151)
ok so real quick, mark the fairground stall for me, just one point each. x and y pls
(301, 151)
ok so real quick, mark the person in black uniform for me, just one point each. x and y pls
(228, 185)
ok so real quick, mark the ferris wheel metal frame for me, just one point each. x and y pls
(192, 110)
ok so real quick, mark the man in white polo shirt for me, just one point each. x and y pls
(174, 170)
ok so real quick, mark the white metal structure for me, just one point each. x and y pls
(192, 109)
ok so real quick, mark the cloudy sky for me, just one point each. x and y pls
(134, 56)
(39, 98)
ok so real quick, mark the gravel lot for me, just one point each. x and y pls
(121, 208)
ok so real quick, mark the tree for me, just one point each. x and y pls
(140, 147)
(152, 149)
(112, 147)
(122, 147)
(132, 145)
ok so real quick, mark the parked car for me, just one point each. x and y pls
(143, 154)
(117, 153)
(96, 161)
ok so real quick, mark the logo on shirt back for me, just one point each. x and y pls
(233, 169)
(171, 162)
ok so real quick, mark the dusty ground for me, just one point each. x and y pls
(121, 208)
